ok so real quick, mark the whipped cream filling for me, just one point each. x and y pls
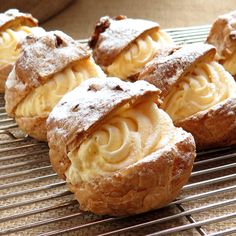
(130, 135)
(141, 51)
(207, 85)
(41, 101)
(9, 40)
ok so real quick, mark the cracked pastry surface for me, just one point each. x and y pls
(119, 153)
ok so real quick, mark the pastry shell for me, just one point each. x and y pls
(149, 183)
(41, 57)
(112, 36)
(214, 127)
(13, 19)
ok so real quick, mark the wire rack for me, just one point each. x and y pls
(34, 201)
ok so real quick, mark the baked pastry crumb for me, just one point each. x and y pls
(118, 151)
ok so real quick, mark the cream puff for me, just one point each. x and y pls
(223, 36)
(118, 151)
(14, 27)
(122, 46)
(197, 93)
(49, 66)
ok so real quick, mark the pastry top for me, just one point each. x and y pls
(83, 110)
(13, 19)
(223, 34)
(171, 65)
(41, 57)
(111, 36)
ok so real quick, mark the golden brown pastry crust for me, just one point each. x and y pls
(42, 56)
(223, 34)
(13, 19)
(213, 127)
(143, 186)
(112, 36)
(171, 65)
(35, 126)
(150, 183)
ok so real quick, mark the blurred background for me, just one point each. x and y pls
(78, 17)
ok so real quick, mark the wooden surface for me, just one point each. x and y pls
(79, 17)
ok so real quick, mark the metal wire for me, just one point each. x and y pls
(35, 200)
(29, 188)
(194, 225)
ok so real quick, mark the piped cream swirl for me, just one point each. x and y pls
(129, 136)
(9, 40)
(141, 51)
(206, 86)
(41, 101)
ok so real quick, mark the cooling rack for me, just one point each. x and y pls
(34, 201)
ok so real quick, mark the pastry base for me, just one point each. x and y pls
(148, 184)
(215, 127)
(33, 126)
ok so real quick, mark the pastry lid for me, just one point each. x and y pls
(13, 18)
(41, 57)
(170, 65)
(111, 36)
